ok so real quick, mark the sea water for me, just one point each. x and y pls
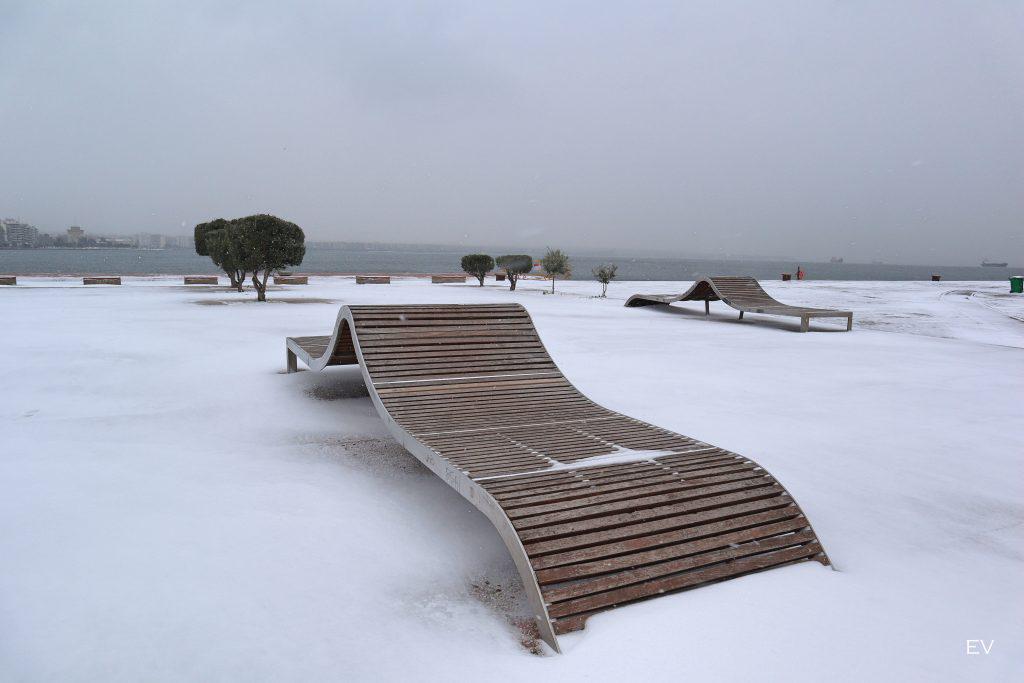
(326, 260)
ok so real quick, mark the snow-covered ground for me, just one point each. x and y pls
(173, 507)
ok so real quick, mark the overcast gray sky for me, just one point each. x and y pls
(891, 130)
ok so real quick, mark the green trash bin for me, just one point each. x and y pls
(1017, 284)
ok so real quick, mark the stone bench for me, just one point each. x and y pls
(201, 279)
(447, 279)
(291, 279)
(101, 280)
(373, 279)
(8, 280)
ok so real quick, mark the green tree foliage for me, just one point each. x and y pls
(224, 250)
(478, 265)
(556, 263)
(267, 243)
(201, 234)
(199, 238)
(604, 274)
(514, 265)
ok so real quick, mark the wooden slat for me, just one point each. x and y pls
(710, 567)
(627, 548)
(645, 529)
(683, 505)
(412, 322)
(719, 539)
(640, 501)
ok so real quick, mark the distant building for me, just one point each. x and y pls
(180, 241)
(18, 234)
(75, 234)
(147, 241)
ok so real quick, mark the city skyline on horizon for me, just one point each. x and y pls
(184, 240)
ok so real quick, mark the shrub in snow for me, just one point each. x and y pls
(556, 263)
(604, 274)
(514, 265)
(477, 265)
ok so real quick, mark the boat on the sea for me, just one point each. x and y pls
(993, 264)
(836, 260)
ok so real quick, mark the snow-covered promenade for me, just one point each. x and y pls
(174, 507)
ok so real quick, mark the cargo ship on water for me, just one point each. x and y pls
(993, 264)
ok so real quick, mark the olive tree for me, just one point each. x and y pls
(514, 265)
(267, 243)
(201, 235)
(604, 274)
(556, 263)
(478, 265)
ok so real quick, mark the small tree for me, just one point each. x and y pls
(514, 265)
(201, 235)
(604, 274)
(267, 243)
(478, 265)
(226, 251)
(556, 263)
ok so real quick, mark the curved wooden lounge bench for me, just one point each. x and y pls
(597, 509)
(745, 295)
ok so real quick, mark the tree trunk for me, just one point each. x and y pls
(233, 277)
(480, 277)
(261, 287)
(260, 284)
(604, 289)
(552, 284)
(512, 282)
(239, 280)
